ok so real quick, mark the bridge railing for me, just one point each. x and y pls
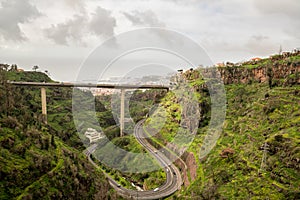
(89, 85)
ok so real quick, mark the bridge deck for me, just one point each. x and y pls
(89, 85)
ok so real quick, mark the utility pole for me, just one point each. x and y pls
(280, 50)
(264, 158)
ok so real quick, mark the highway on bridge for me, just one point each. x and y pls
(173, 178)
(89, 85)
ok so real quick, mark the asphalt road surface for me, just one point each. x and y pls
(173, 178)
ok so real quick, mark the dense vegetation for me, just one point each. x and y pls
(21, 116)
(256, 157)
(40, 161)
(140, 103)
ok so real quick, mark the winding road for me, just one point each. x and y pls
(173, 178)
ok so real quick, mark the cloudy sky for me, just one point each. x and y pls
(58, 36)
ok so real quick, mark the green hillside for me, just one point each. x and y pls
(256, 115)
(40, 161)
(22, 105)
(257, 155)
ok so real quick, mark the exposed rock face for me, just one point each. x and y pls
(186, 163)
(235, 75)
(191, 164)
(280, 69)
(227, 152)
(183, 171)
(188, 168)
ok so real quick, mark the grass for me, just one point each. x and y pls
(245, 134)
(257, 114)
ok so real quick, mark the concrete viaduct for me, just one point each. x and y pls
(123, 87)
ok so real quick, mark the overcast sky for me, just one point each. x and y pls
(59, 35)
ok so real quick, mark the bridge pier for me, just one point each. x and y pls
(44, 105)
(122, 112)
(87, 85)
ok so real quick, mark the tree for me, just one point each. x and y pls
(13, 67)
(47, 72)
(35, 68)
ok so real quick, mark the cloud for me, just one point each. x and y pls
(12, 14)
(183, 1)
(285, 13)
(289, 8)
(76, 5)
(71, 30)
(262, 45)
(100, 24)
(146, 18)
(259, 38)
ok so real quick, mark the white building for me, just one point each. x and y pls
(92, 135)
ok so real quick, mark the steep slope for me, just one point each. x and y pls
(38, 160)
(140, 104)
(257, 155)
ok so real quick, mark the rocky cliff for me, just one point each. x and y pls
(277, 70)
(281, 73)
